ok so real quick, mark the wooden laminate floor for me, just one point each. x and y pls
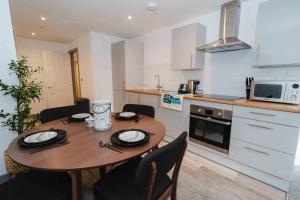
(201, 179)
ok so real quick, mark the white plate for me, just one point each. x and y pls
(127, 114)
(132, 136)
(81, 115)
(40, 137)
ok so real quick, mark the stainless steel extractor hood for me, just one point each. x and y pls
(229, 28)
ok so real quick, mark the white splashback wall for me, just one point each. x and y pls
(224, 73)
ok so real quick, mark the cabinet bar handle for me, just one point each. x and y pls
(191, 60)
(257, 54)
(258, 151)
(257, 113)
(259, 126)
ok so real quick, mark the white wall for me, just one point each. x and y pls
(7, 52)
(224, 73)
(33, 50)
(94, 51)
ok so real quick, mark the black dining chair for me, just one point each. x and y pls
(140, 109)
(145, 178)
(37, 185)
(50, 114)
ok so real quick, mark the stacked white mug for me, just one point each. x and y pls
(102, 115)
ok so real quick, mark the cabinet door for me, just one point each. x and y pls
(184, 47)
(118, 65)
(174, 121)
(119, 100)
(277, 33)
(132, 98)
(150, 100)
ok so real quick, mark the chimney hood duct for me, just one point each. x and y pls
(229, 28)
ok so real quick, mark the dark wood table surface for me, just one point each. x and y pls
(83, 151)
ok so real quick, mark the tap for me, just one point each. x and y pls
(158, 86)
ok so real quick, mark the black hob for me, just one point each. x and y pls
(222, 97)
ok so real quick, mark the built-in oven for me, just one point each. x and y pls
(210, 126)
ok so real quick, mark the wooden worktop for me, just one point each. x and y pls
(241, 102)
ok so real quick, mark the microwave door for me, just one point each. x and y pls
(268, 92)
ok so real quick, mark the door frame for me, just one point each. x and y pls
(75, 85)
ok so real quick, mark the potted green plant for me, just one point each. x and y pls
(25, 92)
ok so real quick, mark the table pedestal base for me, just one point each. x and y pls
(76, 185)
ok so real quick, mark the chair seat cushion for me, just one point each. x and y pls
(37, 185)
(119, 184)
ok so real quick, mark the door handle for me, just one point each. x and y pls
(259, 126)
(258, 151)
(211, 120)
(257, 54)
(266, 114)
(191, 60)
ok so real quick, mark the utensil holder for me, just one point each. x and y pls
(248, 90)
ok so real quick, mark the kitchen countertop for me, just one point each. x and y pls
(241, 102)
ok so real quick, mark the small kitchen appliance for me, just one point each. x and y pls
(279, 91)
(193, 85)
(102, 115)
(183, 88)
(190, 88)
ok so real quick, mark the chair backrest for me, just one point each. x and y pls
(83, 105)
(165, 159)
(51, 114)
(140, 109)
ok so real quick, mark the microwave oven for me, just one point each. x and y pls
(276, 91)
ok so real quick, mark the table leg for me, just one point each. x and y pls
(76, 185)
(155, 148)
(102, 172)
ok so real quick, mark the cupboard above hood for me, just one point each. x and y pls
(229, 27)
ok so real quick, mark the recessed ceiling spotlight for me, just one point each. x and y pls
(129, 17)
(33, 34)
(43, 18)
(152, 6)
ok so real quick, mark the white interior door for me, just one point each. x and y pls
(58, 79)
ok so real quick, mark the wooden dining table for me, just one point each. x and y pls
(83, 152)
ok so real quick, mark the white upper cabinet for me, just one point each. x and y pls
(185, 41)
(277, 34)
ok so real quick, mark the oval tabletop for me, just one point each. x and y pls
(83, 151)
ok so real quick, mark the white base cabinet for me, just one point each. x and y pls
(263, 143)
(174, 121)
(267, 160)
(265, 140)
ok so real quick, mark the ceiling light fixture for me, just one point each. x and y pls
(43, 18)
(33, 34)
(152, 6)
(129, 17)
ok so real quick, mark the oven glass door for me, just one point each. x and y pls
(214, 133)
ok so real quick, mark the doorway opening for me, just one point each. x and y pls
(75, 73)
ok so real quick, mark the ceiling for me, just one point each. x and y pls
(69, 19)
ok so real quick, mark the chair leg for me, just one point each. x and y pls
(174, 192)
